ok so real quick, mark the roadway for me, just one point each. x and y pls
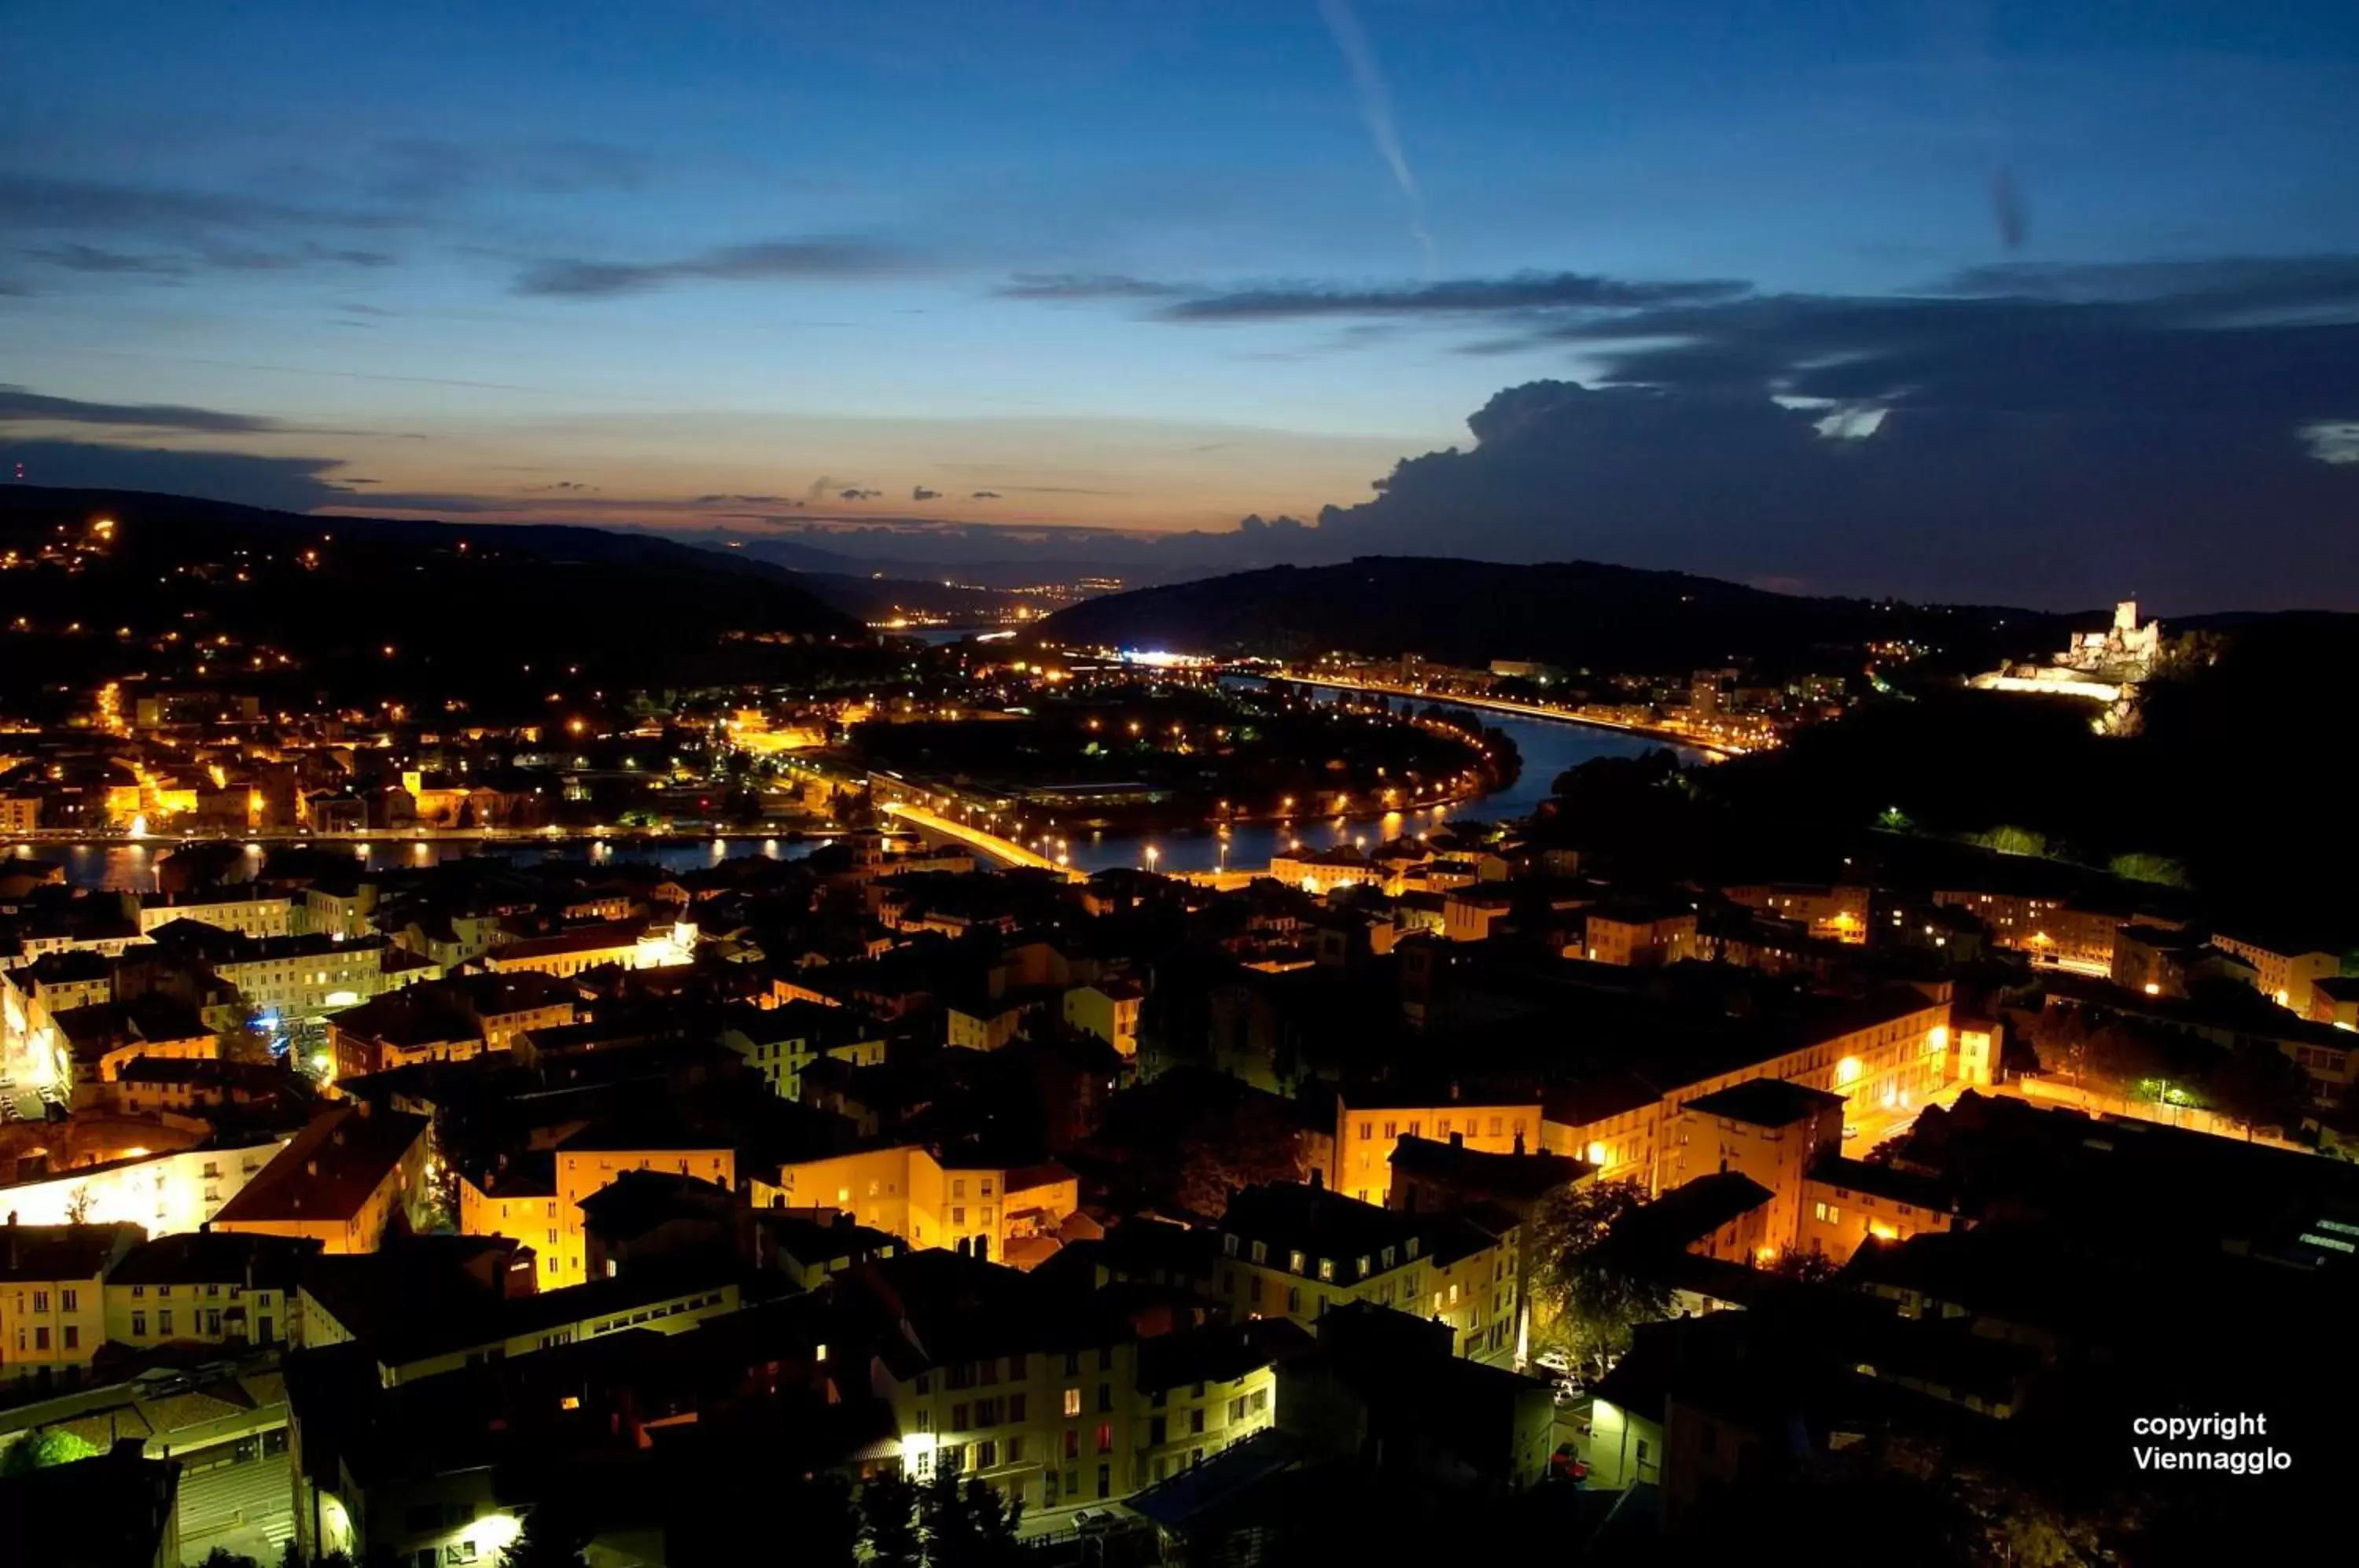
(1878, 1124)
(1008, 852)
(1717, 750)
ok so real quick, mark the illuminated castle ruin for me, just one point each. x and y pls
(2102, 667)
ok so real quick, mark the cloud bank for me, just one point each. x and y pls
(2048, 434)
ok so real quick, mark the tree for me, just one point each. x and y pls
(2008, 839)
(818, 1514)
(992, 1520)
(2139, 867)
(78, 1207)
(888, 1510)
(1255, 1143)
(222, 1557)
(2129, 1061)
(40, 1450)
(942, 1520)
(1809, 1267)
(2257, 1086)
(1587, 1303)
(968, 1524)
(2059, 1034)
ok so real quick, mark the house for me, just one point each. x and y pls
(1386, 1386)
(348, 1178)
(207, 1288)
(780, 1041)
(1002, 1379)
(1848, 1201)
(1109, 1010)
(1296, 1251)
(1642, 934)
(961, 1198)
(1199, 1390)
(1770, 1129)
(1369, 1121)
(52, 1296)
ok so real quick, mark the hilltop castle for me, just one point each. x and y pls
(2103, 667)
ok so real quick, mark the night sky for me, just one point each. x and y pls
(2030, 302)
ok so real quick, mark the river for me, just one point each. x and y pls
(1548, 748)
(131, 868)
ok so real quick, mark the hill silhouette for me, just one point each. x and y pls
(470, 612)
(1577, 614)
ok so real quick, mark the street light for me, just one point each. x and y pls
(1151, 854)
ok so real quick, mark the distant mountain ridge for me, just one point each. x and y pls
(1577, 614)
(391, 609)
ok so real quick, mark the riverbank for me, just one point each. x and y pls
(68, 838)
(1717, 751)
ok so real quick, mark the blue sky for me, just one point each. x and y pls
(598, 261)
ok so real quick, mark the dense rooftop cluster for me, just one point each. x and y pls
(1440, 1172)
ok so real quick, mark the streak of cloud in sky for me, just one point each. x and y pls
(1376, 111)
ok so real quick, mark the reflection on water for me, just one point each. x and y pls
(1548, 746)
(131, 868)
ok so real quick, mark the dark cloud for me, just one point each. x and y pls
(354, 308)
(78, 257)
(922, 493)
(769, 261)
(286, 483)
(18, 406)
(1946, 504)
(860, 494)
(425, 170)
(561, 488)
(749, 500)
(91, 258)
(254, 260)
(1254, 524)
(1531, 291)
(984, 496)
(2274, 350)
(34, 202)
(2192, 288)
(1084, 286)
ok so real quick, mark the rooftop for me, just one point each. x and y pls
(62, 1251)
(1474, 1171)
(1767, 1101)
(216, 1256)
(331, 1168)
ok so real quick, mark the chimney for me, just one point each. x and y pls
(1318, 1178)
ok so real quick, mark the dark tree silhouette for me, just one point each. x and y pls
(888, 1527)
